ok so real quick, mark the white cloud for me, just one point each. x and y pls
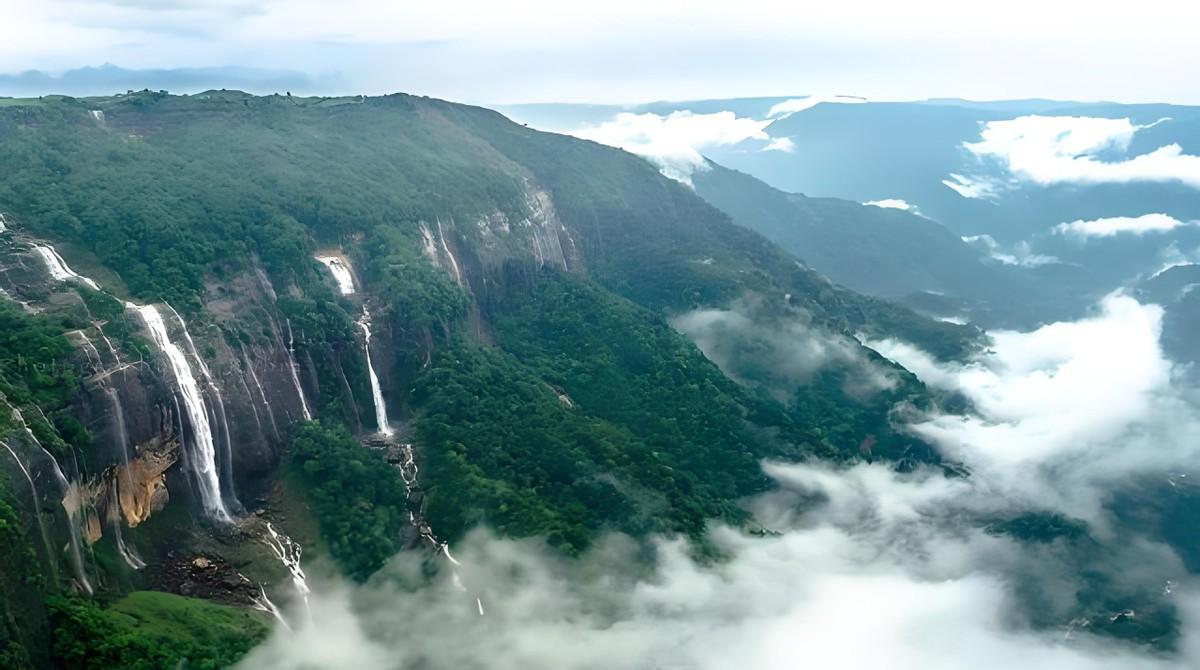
(891, 203)
(1049, 150)
(1173, 256)
(856, 554)
(781, 348)
(674, 141)
(783, 144)
(865, 580)
(789, 107)
(1064, 410)
(1021, 254)
(971, 187)
(1108, 227)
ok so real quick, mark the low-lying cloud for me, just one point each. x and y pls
(794, 105)
(754, 343)
(861, 567)
(1021, 253)
(863, 573)
(1109, 227)
(1050, 150)
(891, 203)
(1067, 411)
(674, 142)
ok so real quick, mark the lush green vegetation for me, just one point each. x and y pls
(20, 585)
(36, 371)
(148, 630)
(357, 497)
(595, 414)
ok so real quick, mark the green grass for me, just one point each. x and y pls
(148, 629)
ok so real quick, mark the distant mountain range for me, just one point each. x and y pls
(108, 79)
(1076, 199)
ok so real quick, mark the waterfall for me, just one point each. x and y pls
(294, 367)
(114, 517)
(114, 400)
(112, 351)
(58, 267)
(218, 408)
(288, 552)
(3, 224)
(37, 513)
(263, 604)
(341, 273)
(253, 408)
(114, 505)
(90, 350)
(376, 391)
(261, 394)
(69, 492)
(204, 459)
(427, 245)
(449, 256)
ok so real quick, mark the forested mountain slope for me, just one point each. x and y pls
(539, 326)
(889, 251)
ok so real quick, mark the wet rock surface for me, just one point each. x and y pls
(202, 576)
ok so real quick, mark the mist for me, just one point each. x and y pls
(858, 566)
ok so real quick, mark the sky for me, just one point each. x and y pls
(625, 51)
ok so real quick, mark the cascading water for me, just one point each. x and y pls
(341, 273)
(262, 395)
(263, 603)
(294, 367)
(218, 407)
(69, 493)
(203, 459)
(90, 350)
(58, 267)
(288, 552)
(114, 518)
(381, 419)
(407, 465)
(345, 281)
(37, 512)
(114, 510)
(449, 256)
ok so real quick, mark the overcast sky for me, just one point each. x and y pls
(638, 50)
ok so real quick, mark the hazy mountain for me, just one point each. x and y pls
(108, 78)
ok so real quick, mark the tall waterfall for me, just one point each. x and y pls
(345, 281)
(262, 395)
(58, 267)
(203, 458)
(70, 505)
(114, 507)
(294, 367)
(449, 255)
(37, 513)
(381, 419)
